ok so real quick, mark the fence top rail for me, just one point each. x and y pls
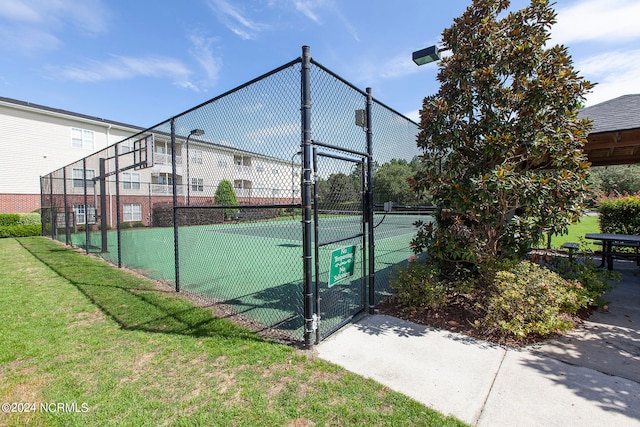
(354, 87)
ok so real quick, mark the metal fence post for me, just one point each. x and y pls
(51, 214)
(306, 196)
(369, 214)
(103, 205)
(176, 249)
(67, 232)
(118, 235)
(42, 219)
(86, 207)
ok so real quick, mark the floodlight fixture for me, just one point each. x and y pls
(426, 55)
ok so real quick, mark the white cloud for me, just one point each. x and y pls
(17, 10)
(399, 66)
(37, 25)
(309, 8)
(615, 72)
(234, 19)
(123, 67)
(30, 39)
(306, 7)
(202, 50)
(597, 20)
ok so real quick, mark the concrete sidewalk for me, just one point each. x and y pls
(590, 377)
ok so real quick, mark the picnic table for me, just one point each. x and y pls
(609, 241)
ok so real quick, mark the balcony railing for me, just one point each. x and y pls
(165, 159)
(165, 189)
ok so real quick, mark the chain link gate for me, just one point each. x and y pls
(340, 245)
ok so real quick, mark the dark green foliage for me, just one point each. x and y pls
(226, 196)
(594, 280)
(504, 128)
(20, 230)
(620, 215)
(391, 183)
(124, 225)
(9, 219)
(418, 286)
(617, 180)
(340, 191)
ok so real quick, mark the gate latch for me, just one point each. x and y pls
(315, 322)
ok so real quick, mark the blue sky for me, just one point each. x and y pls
(141, 62)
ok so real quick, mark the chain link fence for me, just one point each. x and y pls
(246, 199)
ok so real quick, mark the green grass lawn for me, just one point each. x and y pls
(74, 330)
(587, 224)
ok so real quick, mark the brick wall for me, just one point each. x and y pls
(19, 203)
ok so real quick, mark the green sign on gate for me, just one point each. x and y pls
(342, 264)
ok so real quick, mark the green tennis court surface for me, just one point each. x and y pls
(257, 267)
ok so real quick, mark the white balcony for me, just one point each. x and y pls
(165, 190)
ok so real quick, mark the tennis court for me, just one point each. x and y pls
(254, 149)
(256, 267)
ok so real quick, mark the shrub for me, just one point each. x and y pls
(225, 196)
(125, 225)
(418, 285)
(9, 219)
(593, 279)
(620, 215)
(137, 224)
(529, 299)
(29, 219)
(20, 230)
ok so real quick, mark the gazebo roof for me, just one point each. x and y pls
(615, 137)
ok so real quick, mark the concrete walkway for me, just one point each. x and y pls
(590, 377)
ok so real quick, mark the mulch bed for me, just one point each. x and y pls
(462, 315)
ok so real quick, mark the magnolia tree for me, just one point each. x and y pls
(503, 146)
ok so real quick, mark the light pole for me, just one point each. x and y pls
(196, 132)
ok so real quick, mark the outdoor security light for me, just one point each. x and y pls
(427, 55)
(197, 132)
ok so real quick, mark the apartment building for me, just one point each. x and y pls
(39, 139)
(145, 178)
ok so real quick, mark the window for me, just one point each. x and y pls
(242, 184)
(82, 138)
(132, 212)
(81, 218)
(222, 164)
(78, 178)
(195, 156)
(275, 171)
(197, 184)
(165, 179)
(242, 160)
(126, 146)
(130, 181)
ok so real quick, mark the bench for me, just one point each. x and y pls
(571, 246)
(633, 245)
(609, 241)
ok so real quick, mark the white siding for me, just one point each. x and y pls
(36, 142)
